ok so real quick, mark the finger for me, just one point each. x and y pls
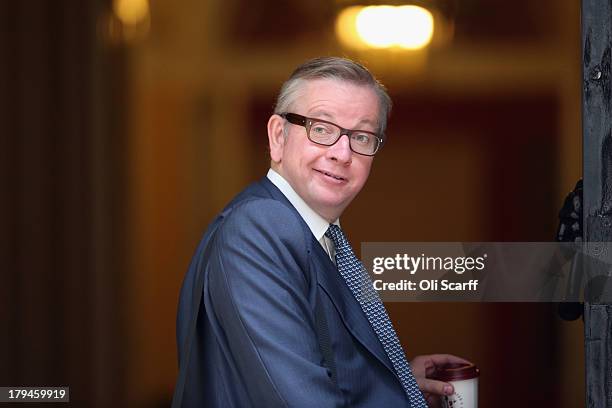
(435, 387)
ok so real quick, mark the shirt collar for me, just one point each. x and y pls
(317, 224)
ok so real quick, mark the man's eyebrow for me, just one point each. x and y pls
(367, 122)
(320, 114)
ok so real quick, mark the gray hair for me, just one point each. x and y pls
(342, 69)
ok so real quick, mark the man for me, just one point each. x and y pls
(287, 315)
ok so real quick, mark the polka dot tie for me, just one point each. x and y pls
(358, 281)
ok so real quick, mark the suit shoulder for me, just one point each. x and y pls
(264, 211)
(265, 214)
(265, 226)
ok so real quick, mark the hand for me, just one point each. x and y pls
(424, 367)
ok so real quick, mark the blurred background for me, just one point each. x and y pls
(128, 124)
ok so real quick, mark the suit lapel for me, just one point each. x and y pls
(353, 317)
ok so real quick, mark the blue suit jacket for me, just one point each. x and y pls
(256, 343)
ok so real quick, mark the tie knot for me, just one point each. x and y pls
(335, 234)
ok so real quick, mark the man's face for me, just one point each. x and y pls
(327, 178)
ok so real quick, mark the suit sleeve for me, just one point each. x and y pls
(261, 298)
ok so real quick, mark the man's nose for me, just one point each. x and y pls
(341, 150)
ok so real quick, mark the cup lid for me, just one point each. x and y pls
(456, 372)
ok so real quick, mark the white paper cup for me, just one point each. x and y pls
(464, 378)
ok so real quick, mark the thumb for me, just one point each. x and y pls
(435, 387)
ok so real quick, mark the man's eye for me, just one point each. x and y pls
(322, 129)
(362, 138)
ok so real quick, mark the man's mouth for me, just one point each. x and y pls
(328, 174)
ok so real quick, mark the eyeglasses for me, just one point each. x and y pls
(327, 133)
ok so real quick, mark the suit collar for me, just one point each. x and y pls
(317, 224)
(275, 193)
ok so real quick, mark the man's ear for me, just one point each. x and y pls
(276, 137)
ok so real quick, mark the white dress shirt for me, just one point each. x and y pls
(317, 224)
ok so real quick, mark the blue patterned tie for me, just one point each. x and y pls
(358, 281)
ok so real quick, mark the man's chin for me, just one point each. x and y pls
(331, 210)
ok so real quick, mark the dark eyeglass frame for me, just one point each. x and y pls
(307, 122)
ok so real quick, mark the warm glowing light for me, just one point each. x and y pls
(376, 25)
(407, 27)
(415, 27)
(346, 27)
(131, 12)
